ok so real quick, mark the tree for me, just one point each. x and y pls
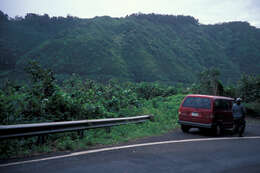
(249, 88)
(42, 79)
(3, 17)
(209, 82)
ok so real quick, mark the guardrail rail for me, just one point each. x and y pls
(42, 129)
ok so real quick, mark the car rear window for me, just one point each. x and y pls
(197, 102)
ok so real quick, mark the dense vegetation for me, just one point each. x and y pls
(45, 100)
(74, 99)
(137, 48)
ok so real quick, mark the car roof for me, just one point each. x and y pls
(209, 96)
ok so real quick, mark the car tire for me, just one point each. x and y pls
(185, 128)
(203, 130)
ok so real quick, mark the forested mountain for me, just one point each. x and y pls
(139, 47)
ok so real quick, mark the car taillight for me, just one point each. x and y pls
(179, 112)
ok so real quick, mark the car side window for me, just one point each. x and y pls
(221, 104)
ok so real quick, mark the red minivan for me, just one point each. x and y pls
(205, 111)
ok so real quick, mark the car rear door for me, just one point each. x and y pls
(197, 110)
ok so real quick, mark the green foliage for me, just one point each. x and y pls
(40, 94)
(75, 99)
(231, 91)
(209, 83)
(249, 90)
(249, 87)
(253, 108)
(151, 90)
(66, 143)
(138, 48)
(11, 103)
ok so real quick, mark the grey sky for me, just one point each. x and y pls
(207, 11)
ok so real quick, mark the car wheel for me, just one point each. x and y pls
(185, 128)
(203, 130)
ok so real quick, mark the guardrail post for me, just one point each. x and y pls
(41, 139)
(152, 118)
(81, 133)
(108, 129)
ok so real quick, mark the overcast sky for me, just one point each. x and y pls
(207, 11)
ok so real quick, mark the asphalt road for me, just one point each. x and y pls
(176, 152)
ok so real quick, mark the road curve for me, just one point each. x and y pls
(173, 152)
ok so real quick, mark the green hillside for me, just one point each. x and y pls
(136, 48)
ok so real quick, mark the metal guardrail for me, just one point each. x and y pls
(40, 129)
